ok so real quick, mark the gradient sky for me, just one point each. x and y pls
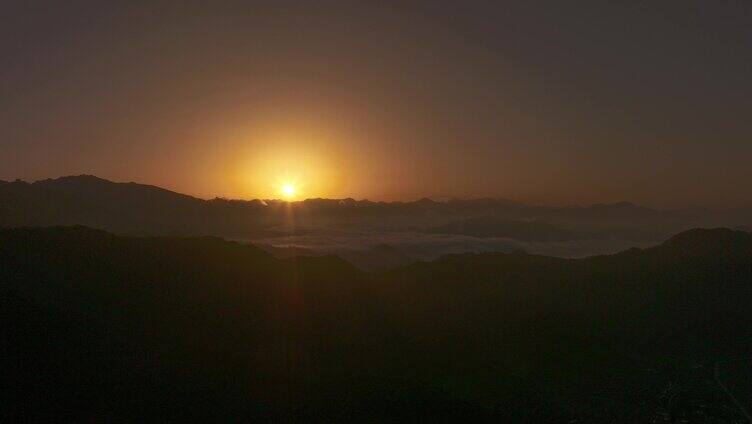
(551, 102)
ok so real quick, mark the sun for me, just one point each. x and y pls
(289, 191)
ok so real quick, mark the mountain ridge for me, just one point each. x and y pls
(479, 224)
(424, 201)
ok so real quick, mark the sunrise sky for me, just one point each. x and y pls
(539, 101)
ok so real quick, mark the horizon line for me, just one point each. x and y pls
(434, 199)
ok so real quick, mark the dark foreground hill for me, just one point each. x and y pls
(106, 328)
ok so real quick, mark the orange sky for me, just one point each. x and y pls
(533, 101)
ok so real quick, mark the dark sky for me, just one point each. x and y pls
(540, 101)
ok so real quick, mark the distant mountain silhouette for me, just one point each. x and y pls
(492, 226)
(130, 208)
(110, 328)
(92, 201)
(744, 228)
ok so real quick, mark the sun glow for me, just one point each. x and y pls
(288, 191)
(286, 164)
